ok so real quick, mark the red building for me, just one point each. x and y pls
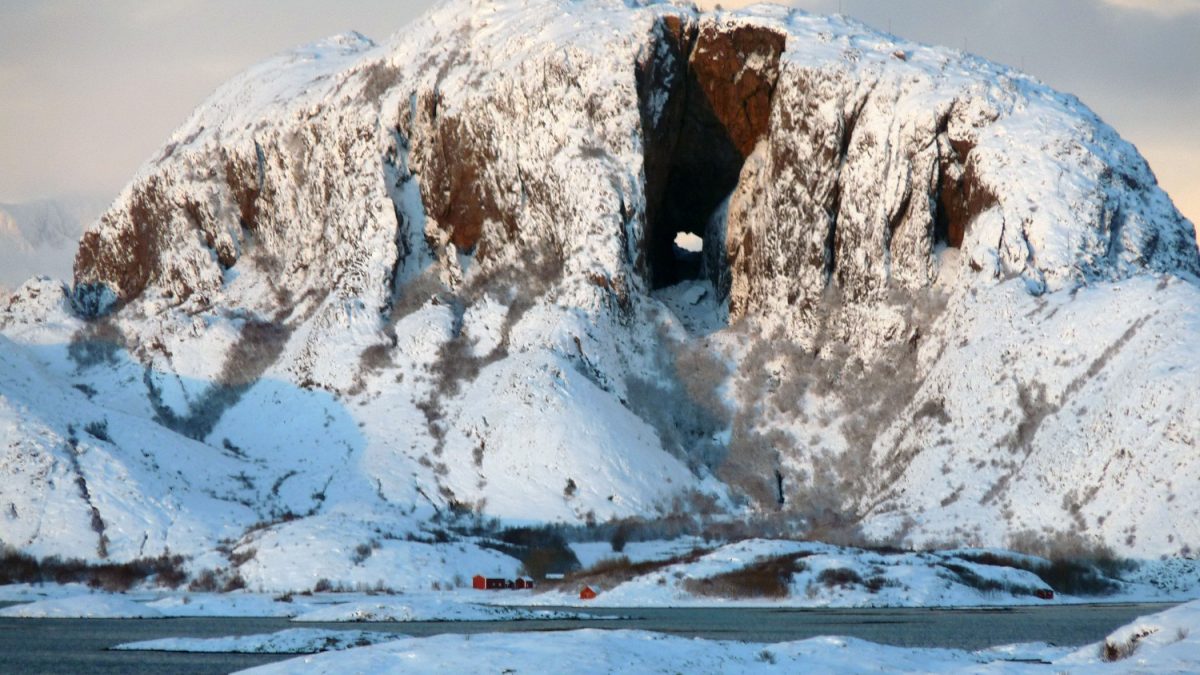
(481, 583)
(587, 593)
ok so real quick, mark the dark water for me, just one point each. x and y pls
(80, 645)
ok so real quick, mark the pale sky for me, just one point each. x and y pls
(91, 88)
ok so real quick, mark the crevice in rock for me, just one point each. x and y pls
(831, 243)
(959, 197)
(706, 92)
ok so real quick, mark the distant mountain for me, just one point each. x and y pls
(369, 297)
(41, 237)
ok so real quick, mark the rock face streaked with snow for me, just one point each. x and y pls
(366, 285)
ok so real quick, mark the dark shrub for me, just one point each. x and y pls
(770, 578)
(205, 582)
(239, 558)
(96, 343)
(361, 553)
(18, 567)
(114, 578)
(541, 550)
(1076, 577)
(968, 577)
(1076, 567)
(234, 583)
(168, 571)
(612, 572)
(98, 430)
(878, 583)
(839, 576)
(618, 539)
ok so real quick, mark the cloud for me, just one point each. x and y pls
(1162, 8)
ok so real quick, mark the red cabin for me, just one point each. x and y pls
(587, 593)
(482, 583)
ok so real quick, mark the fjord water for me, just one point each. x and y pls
(81, 645)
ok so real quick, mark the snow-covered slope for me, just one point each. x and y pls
(368, 286)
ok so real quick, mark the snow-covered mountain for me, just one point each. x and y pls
(369, 287)
(41, 237)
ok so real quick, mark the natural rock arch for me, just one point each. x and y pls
(706, 92)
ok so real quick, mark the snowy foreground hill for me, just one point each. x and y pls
(1160, 643)
(371, 296)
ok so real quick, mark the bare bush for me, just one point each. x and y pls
(208, 581)
(376, 358)
(17, 567)
(541, 550)
(362, 552)
(770, 578)
(1112, 651)
(968, 577)
(239, 558)
(752, 459)
(611, 572)
(702, 375)
(98, 430)
(1077, 565)
(839, 576)
(618, 539)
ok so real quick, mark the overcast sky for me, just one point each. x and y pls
(90, 88)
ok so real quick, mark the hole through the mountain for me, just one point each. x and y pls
(706, 94)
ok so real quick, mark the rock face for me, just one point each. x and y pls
(449, 261)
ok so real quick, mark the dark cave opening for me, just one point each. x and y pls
(702, 173)
(945, 233)
(705, 106)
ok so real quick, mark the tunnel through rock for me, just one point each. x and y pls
(706, 91)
